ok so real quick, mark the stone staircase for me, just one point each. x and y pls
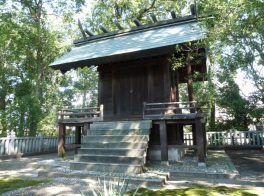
(118, 147)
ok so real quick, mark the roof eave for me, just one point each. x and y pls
(115, 58)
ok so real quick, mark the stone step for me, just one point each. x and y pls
(118, 132)
(118, 147)
(144, 124)
(127, 145)
(108, 159)
(107, 167)
(112, 151)
(116, 138)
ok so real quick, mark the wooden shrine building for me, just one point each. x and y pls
(138, 79)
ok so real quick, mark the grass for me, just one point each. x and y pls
(195, 191)
(10, 184)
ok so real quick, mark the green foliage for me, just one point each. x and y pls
(79, 87)
(86, 84)
(235, 37)
(112, 188)
(236, 106)
(33, 34)
(103, 12)
(10, 184)
(196, 190)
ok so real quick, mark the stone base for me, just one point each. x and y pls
(174, 154)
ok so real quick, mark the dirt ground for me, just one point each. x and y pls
(249, 163)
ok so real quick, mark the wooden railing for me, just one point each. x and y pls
(230, 138)
(172, 110)
(79, 115)
(23, 145)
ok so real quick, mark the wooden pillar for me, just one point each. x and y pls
(190, 81)
(150, 84)
(163, 142)
(77, 135)
(200, 141)
(205, 142)
(100, 86)
(176, 73)
(173, 90)
(85, 128)
(61, 141)
(114, 93)
(166, 81)
(194, 134)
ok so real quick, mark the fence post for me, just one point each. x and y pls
(102, 112)
(262, 134)
(41, 143)
(11, 146)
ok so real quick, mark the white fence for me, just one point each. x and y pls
(17, 145)
(230, 138)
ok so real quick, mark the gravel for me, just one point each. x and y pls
(216, 162)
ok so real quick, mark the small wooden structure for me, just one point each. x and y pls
(137, 79)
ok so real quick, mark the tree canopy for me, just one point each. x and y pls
(35, 33)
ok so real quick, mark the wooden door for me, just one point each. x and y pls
(130, 91)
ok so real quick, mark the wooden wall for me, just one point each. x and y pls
(123, 87)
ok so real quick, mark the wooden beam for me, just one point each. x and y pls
(163, 142)
(82, 31)
(173, 14)
(88, 32)
(154, 18)
(136, 21)
(118, 24)
(80, 120)
(105, 30)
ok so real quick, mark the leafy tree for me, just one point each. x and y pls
(235, 36)
(86, 85)
(38, 41)
(104, 12)
(236, 108)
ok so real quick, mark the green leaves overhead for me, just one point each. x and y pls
(104, 12)
(236, 37)
(36, 32)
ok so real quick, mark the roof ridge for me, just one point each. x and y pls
(137, 29)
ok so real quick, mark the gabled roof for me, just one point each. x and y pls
(145, 41)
